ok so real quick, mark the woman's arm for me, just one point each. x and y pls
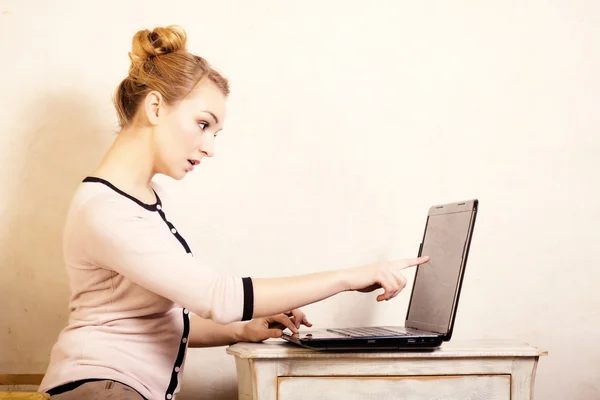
(273, 295)
(207, 333)
(114, 235)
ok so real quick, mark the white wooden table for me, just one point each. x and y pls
(475, 370)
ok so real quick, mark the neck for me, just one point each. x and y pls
(129, 163)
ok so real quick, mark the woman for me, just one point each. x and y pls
(139, 297)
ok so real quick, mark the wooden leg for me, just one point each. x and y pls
(256, 381)
(523, 375)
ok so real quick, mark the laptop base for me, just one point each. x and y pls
(404, 343)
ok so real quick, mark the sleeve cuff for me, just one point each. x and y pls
(248, 299)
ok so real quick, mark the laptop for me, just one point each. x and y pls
(435, 293)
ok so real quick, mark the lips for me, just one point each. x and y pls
(192, 163)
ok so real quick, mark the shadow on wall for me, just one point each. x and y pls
(59, 139)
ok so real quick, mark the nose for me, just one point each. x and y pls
(207, 146)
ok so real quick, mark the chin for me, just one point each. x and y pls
(177, 175)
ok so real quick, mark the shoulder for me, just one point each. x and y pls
(92, 196)
(98, 207)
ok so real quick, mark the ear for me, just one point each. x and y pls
(153, 103)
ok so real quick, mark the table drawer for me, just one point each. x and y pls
(459, 387)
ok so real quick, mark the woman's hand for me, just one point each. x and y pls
(386, 275)
(260, 329)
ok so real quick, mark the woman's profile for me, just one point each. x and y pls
(139, 297)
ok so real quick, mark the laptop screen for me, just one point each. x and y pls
(437, 281)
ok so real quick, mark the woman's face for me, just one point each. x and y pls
(185, 133)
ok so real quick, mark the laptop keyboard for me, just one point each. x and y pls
(370, 331)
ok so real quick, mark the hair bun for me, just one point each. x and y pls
(161, 40)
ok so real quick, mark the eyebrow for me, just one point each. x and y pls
(212, 114)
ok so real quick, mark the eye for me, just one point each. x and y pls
(203, 125)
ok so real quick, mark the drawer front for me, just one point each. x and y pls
(467, 387)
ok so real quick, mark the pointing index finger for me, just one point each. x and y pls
(416, 261)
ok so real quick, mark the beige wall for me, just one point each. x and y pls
(346, 121)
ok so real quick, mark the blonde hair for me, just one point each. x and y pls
(160, 61)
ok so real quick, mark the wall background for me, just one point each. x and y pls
(347, 120)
